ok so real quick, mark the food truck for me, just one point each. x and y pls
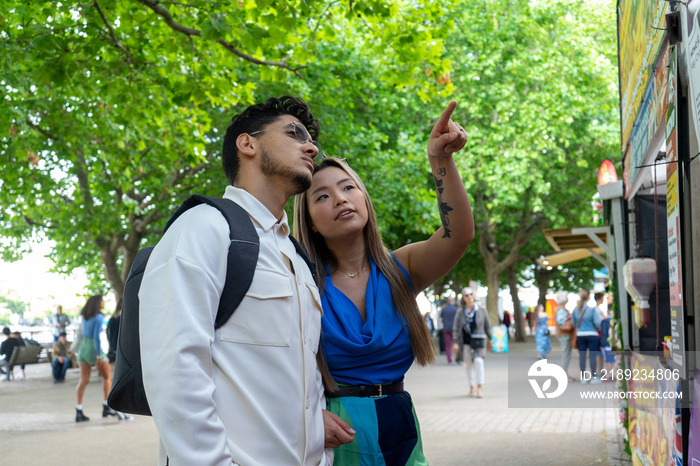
(653, 221)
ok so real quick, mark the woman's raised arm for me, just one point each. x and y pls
(427, 261)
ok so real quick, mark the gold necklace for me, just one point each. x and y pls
(353, 275)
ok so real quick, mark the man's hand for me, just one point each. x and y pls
(338, 432)
(447, 137)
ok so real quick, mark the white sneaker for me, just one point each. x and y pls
(585, 380)
(596, 381)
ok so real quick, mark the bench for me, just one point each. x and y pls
(32, 353)
(22, 355)
(27, 355)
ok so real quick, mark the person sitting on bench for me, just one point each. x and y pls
(4, 360)
(6, 349)
(61, 361)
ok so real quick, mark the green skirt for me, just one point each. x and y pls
(87, 353)
(387, 431)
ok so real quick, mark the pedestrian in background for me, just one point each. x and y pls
(113, 339)
(90, 354)
(113, 333)
(599, 297)
(507, 321)
(587, 335)
(61, 358)
(606, 347)
(473, 335)
(429, 323)
(439, 330)
(12, 340)
(59, 321)
(530, 319)
(447, 316)
(564, 331)
(544, 345)
(4, 357)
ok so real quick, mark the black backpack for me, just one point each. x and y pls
(127, 393)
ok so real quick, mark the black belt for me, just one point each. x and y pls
(371, 391)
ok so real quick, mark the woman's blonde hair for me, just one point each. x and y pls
(401, 292)
(584, 295)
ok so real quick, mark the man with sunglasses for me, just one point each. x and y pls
(250, 392)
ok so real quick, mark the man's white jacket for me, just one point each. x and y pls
(249, 393)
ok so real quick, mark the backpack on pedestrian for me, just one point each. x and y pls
(127, 393)
(565, 330)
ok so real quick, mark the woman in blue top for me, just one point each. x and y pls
(372, 328)
(90, 354)
(587, 339)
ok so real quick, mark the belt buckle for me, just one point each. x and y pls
(380, 386)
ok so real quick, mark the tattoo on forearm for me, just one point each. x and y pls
(444, 208)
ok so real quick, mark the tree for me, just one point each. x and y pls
(113, 111)
(15, 307)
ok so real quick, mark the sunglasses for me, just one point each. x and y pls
(300, 133)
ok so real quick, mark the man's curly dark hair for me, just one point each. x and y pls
(256, 118)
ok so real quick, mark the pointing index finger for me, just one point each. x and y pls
(442, 123)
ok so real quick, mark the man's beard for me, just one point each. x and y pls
(271, 167)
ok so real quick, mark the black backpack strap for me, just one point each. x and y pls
(242, 254)
(302, 252)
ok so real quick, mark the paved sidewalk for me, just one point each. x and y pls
(37, 424)
(459, 430)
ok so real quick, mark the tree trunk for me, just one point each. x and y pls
(543, 287)
(496, 263)
(543, 278)
(517, 308)
(493, 281)
(117, 247)
(112, 272)
(129, 250)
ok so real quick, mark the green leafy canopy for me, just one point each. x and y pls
(113, 112)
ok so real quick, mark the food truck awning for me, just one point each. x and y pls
(565, 257)
(573, 244)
